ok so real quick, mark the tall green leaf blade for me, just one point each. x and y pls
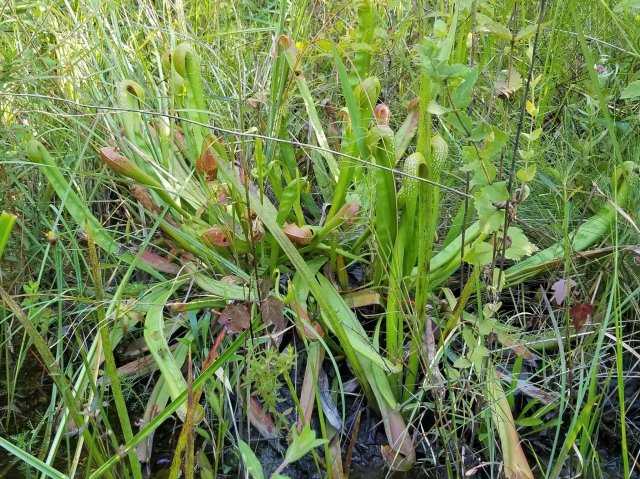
(30, 460)
(7, 221)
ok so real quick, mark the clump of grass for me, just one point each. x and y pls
(209, 193)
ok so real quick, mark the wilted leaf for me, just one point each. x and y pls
(271, 310)
(580, 315)
(561, 290)
(235, 318)
(507, 84)
(141, 194)
(298, 235)
(256, 232)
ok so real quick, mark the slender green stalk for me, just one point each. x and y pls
(111, 369)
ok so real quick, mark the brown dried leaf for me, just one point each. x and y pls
(253, 103)
(508, 84)
(298, 235)
(260, 419)
(264, 286)
(235, 318)
(561, 290)
(271, 310)
(581, 314)
(141, 194)
(256, 233)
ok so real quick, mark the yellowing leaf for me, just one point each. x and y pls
(480, 254)
(324, 45)
(518, 245)
(531, 108)
(527, 174)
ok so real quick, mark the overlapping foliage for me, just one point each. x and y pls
(240, 230)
